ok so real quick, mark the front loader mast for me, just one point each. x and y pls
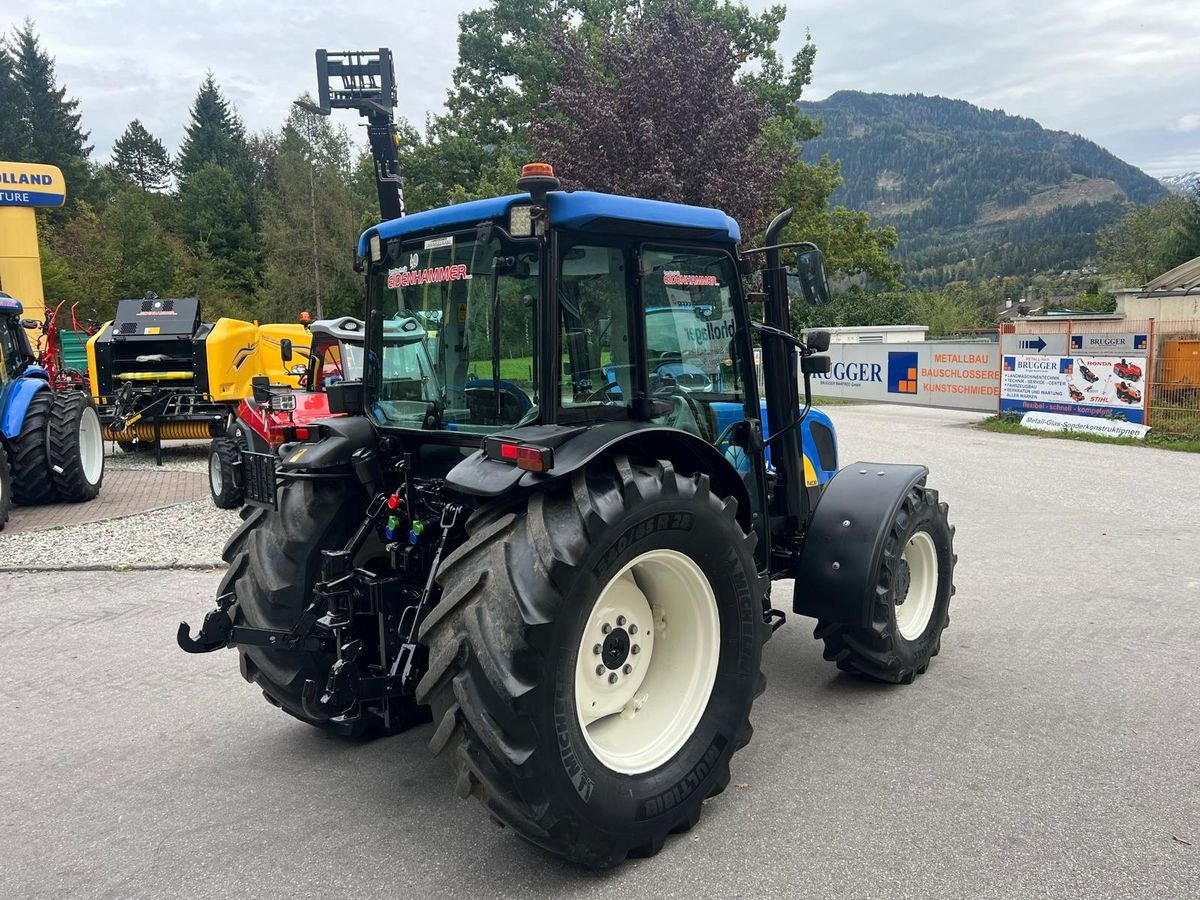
(368, 84)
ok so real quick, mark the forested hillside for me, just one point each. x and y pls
(973, 192)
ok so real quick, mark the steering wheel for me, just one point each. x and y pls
(603, 389)
(695, 411)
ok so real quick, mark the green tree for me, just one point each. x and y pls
(142, 158)
(47, 118)
(147, 260)
(14, 136)
(309, 222)
(216, 226)
(215, 134)
(1149, 240)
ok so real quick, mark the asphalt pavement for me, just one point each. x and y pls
(1053, 749)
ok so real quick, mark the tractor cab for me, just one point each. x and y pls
(15, 351)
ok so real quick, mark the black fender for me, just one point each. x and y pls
(340, 437)
(574, 447)
(835, 574)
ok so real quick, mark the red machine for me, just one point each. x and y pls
(280, 414)
(1128, 371)
(64, 350)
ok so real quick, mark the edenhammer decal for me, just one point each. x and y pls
(679, 279)
(398, 278)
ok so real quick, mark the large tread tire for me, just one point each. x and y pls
(6, 499)
(879, 651)
(74, 439)
(224, 456)
(503, 645)
(274, 561)
(29, 455)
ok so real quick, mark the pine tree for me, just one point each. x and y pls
(14, 136)
(214, 135)
(47, 117)
(142, 158)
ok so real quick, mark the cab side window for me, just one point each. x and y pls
(594, 300)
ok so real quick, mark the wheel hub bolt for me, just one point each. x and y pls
(620, 620)
(635, 649)
(599, 670)
(605, 628)
(633, 629)
(628, 668)
(596, 649)
(612, 679)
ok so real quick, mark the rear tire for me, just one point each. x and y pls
(223, 482)
(5, 488)
(274, 561)
(511, 650)
(29, 455)
(914, 581)
(76, 448)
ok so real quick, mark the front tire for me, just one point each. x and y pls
(594, 765)
(223, 482)
(914, 581)
(76, 448)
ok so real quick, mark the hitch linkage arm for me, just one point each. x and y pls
(218, 631)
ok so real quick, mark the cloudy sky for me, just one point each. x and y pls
(1125, 73)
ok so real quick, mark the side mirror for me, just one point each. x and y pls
(285, 349)
(818, 341)
(809, 271)
(260, 387)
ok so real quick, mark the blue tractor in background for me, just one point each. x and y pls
(51, 449)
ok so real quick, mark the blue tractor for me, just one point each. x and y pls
(559, 545)
(51, 449)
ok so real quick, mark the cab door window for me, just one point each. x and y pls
(594, 338)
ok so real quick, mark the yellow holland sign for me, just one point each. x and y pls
(31, 184)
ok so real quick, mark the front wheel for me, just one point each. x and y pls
(223, 482)
(595, 656)
(910, 607)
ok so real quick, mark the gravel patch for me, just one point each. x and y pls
(188, 535)
(179, 456)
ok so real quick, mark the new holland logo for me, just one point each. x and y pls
(902, 372)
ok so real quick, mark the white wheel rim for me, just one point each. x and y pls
(214, 473)
(636, 716)
(914, 609)
(91, 446)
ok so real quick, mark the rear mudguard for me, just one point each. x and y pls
(836, 570)
(14, 401)
(341, 437)
(575, 447)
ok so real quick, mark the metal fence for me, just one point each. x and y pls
(1172, 363)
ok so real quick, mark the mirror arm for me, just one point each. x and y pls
(762, 328)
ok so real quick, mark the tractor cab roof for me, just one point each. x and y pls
(580, 210)
(346, 328)
(10, 305)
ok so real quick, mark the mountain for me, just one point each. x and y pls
(1187, 183)
(973, 192)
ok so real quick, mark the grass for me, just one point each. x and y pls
(1010, 424)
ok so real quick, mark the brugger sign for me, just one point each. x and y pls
(954, 375)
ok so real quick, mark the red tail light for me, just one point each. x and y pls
(531, 459)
